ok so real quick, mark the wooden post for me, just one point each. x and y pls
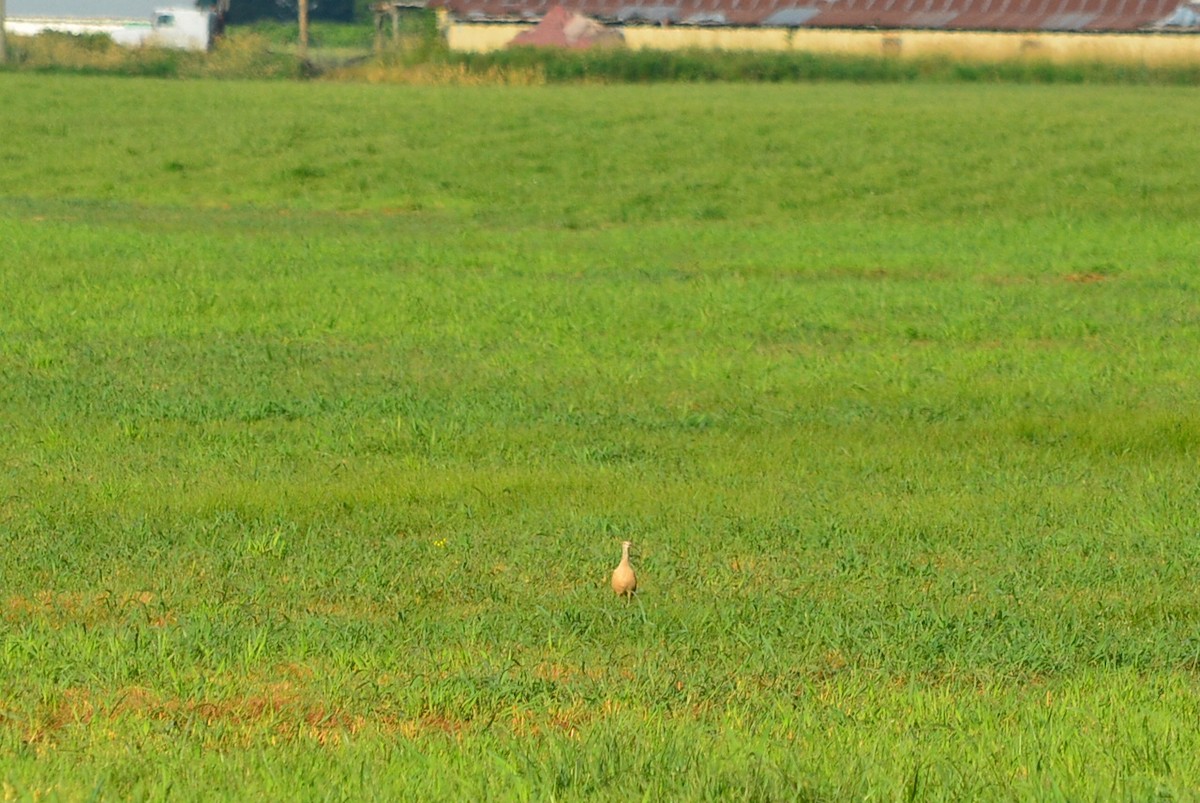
(303, 4)
(3, 41)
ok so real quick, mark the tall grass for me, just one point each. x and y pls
(643, 66)
(607, 65)
(238, 55)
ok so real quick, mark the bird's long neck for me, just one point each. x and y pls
(625, 553)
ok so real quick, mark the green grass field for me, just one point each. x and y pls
(324, 410)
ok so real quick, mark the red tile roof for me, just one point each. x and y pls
(567, 29)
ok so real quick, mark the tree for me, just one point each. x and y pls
(241, 11)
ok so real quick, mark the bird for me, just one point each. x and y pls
(624, 581)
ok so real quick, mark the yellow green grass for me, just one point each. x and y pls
(325, 409)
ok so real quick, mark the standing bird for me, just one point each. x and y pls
(624, 581)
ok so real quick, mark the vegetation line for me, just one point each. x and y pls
(346, 52)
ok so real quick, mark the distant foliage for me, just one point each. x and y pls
(699, 66)
(320, 34)
(243, 11)
(242, 54)
(89, 53)
(245, 54)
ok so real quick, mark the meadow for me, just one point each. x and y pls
(325, 408)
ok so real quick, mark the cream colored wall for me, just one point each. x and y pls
(655, 37)
(1151, 49)
(481, 38)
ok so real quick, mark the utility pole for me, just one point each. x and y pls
(303, 4)
(3, 41)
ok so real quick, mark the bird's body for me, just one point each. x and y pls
(624, 581)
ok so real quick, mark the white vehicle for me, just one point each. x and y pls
(183, 28)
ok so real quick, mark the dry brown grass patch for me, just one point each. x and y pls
(60, 608)
(1085, 278)
(438, 75)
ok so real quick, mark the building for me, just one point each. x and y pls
(1144, 31)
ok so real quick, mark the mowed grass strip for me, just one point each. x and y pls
(322, 427)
